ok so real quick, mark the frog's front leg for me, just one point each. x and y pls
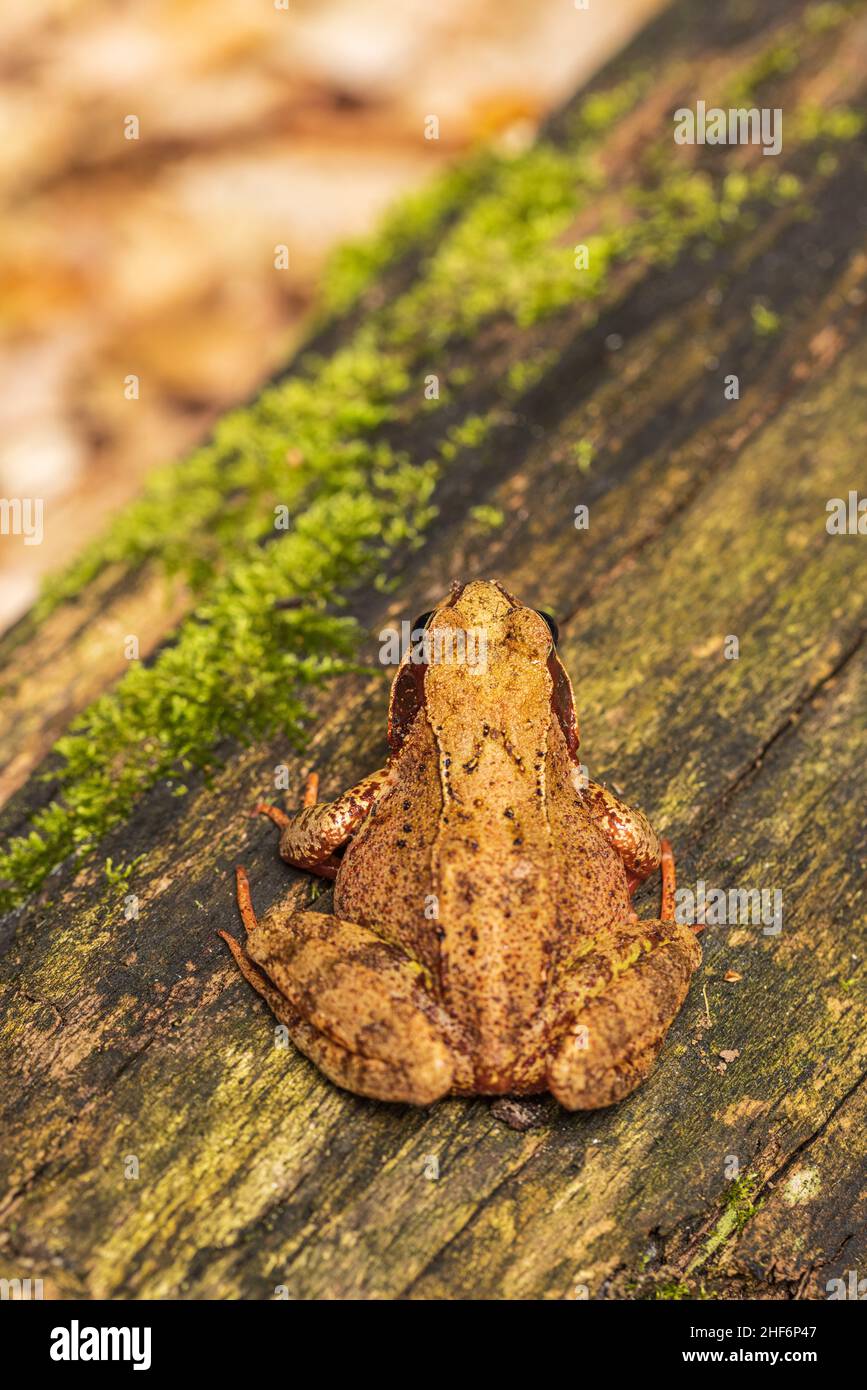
(355, 1005)
(309, 838)
(612, 1007)
(627, 829)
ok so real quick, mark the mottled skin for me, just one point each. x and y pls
(483, 939)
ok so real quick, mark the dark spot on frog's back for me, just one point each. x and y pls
(466, 890)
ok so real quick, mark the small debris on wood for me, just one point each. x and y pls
(732, 975)
(519, 1114)
(727, 1055)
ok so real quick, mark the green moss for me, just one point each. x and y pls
(469, 434)
(526, 372)
(679, 1289)
(672, 1291)
(739, 1208)
(765, 322)
(583, 453)
(838, 123)
(118, 875)
(237, 669)
(601, 110)
(499, 257)
(487, 518)
(778, 60)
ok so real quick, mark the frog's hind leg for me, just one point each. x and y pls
(355, 1005)
(309, 839)
(612, 1009)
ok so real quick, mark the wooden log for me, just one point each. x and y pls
(159, 1140)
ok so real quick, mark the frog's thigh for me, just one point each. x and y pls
(611, 1039)
(363, 1013)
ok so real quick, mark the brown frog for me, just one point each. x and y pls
(483, 940)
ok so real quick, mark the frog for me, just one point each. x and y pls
(483, 939)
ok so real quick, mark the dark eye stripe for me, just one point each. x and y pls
(552, 626)
(423, 620)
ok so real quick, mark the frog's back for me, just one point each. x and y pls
(492, 859)
(384, 881)
(490, 866)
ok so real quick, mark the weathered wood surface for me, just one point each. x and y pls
(707, 519)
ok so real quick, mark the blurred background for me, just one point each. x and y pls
(258, 126)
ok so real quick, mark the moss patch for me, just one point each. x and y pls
(739, 1207)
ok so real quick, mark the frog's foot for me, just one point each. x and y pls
(613, 1009)
(310, 837)
(355, 1005)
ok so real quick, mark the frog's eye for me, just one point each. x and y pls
(552, 626)
(423, 621)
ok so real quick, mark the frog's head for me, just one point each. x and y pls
(482, 621)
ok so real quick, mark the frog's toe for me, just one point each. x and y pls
(612, 1037)
(582, 1086)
